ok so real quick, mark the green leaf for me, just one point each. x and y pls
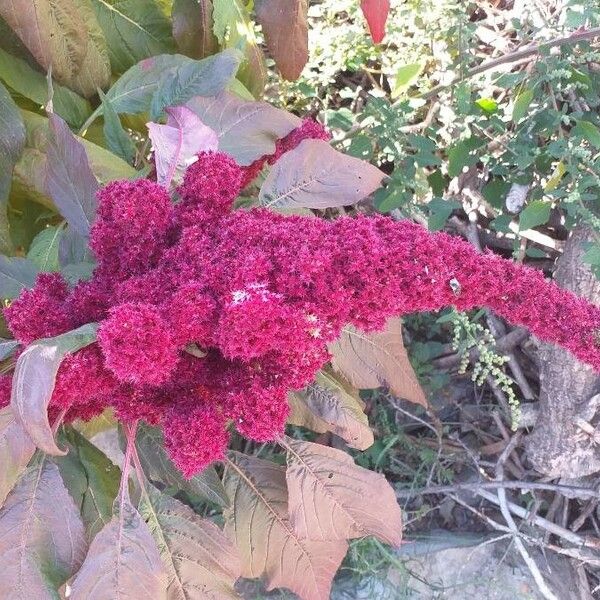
(158, 467)
(521, 105)
(406, 76)
(12, 142)
(91, 478)
(192, 27)
(588, 131)
(134, 30)
(16, 274)
(117, 139)
(195, 552)
(42, 540)
(534, 214)
(487, 105)
(69, 179)
(440, 210)
(34, 379)
(463, 154)
(44, 249)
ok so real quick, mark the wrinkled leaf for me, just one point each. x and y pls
(91, 479)
(16, 274)
(12, 142)
(69, 179)
(315, 175)
(134, 30)
(233, 28)
(16, 450)
(158, 467)
(42, 540)
(200, 561)
(329, 406)
(34, 379)
(268, 545)
(177, 143)
(285, 28)
(122, 562)
(43, 251)
(33, 85)
(376, 13)
(246, 130)
(331, 498)
(192, 27)
(370, 360)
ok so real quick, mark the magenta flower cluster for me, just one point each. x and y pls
(209, 316)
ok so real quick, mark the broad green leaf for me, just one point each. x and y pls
(559, 170)
(233, 28)
(200, 560)
(69, 179)
(269, 546)
(43, 251)
(206, 77)
(331, 498)
(406, 76)
(440, 210)
(534, 214)
(134, 30)
(521, 105)
(16, 450)
(285, 27)
(123, 562)
(32, 84)
(315, 175)
(246, 130)
(16, 274)
(588, 131)
(42, 540)
(117, 139)
(34, 379)
(158, 467)
(328, 405)
(487, 105)
(463, 154)
(370, 360)
(12, 142)
(192, 27)
(91, 478)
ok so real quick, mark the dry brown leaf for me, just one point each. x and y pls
(331, 498)
(326, 405)
(285, 26)
(42, 539)
(370, 360)
(122, 562)
(201, 561)
(269, 547)
(315, 175)
(16, 450)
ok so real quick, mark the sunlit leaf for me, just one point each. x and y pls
(329, 406)
(284, 24)
(330, 498)
(315, 175)
(406, 76)
(34, 379)
(122, 562)
(370, 360)
(268, 545)
(16, 450)
(42, 540)
(246, 130)
(200, 560)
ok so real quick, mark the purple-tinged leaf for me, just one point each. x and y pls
(315, 175)
(16, 450)
(192, 27)
(123, 562)
(15, 275)
(69, 179)
(34, 379)
(177, 143)
(246, 130)
(42, 540)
